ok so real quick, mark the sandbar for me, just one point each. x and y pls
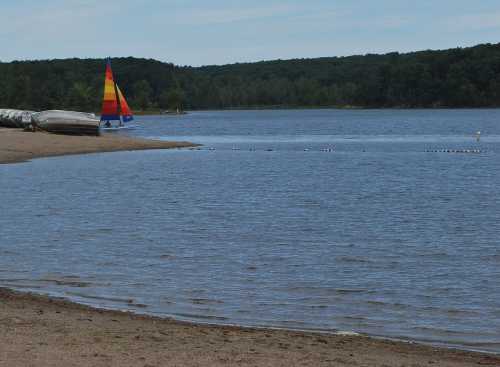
(17, 145)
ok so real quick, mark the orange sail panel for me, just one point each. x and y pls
(110, 102)
(125, 112)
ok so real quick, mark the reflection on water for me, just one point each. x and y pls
(267, 228)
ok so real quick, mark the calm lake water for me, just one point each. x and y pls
(265, 226)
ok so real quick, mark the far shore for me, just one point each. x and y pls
(280, 108)
(42, 331)
(17, 145)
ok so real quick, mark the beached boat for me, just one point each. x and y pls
(67, 122)
(54, 121)
(15, 118)
(116, 113)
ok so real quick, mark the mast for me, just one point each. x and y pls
(118, 100)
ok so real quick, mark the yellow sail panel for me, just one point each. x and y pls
(110, 100)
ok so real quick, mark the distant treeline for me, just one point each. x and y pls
(462, 77)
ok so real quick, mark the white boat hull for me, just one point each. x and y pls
(67, 122)
(118, 128)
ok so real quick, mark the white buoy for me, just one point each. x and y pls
(478, 136)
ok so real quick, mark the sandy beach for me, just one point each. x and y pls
(40, 331)
(17, 145)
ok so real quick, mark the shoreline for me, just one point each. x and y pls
(193, 322)
(49, 331)
(18, 146)
(306, 108)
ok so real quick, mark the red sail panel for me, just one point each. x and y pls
(125, 112)
(110, 102)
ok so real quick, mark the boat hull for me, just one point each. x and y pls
(67, 122)
(118, 128)
(70, 128)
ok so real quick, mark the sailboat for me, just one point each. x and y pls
(116, 113)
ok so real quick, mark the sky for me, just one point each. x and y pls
(207, 32)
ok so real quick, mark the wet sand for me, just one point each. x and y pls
(43, 331)
(17, 145)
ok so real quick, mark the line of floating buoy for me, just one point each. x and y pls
(253, 149)
(470, 151)
(463, 151)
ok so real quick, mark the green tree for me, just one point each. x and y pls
(462, 77)
(172, 99)
(142, 94)
(80, 97)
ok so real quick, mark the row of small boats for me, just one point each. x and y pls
(115, 114)
(54, 121)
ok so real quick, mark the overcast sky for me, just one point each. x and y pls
(201, 32)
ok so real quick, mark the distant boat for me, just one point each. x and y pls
(116, 113)
(171, 112)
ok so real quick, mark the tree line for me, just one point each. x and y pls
(461, 77)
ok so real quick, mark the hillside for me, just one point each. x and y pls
(468, 77)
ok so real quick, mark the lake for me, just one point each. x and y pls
(330, 220)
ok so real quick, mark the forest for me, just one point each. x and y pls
(460, 77)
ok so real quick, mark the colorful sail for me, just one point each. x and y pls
(125, 110)
(110, 103)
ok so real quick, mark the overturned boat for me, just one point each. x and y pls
(54, 121)
(15, 118)
(67, 122)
